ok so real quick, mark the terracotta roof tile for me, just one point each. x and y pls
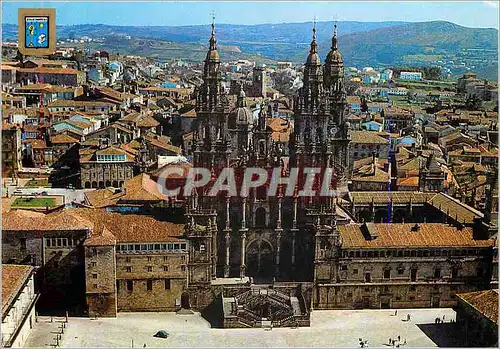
(454, 208)
(402, 236)
(485, 302)
(367, 137)
(25, 220)
(103, 238)
(13, 278)
(133, 227)
(63, 139)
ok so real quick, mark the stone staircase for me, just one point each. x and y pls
(263, 306)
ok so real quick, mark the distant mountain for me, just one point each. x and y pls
(291, 33)
(361, 43)
(385, 45)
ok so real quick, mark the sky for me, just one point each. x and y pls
(478, 14)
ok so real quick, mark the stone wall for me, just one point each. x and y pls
(61, 278)
(165, 273)
(368, 282)
(100, 276)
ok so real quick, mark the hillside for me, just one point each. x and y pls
(361, 43)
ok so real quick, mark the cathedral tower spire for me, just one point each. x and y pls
(334, 67)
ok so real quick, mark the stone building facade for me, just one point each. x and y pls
(405, 266)
(52, 242)
(105, 167)
(11, 150)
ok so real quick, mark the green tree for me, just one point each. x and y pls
(473, 102)
(364, 105)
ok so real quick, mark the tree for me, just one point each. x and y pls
(20, 57)
(364, 105)
(78, 57)
(473, 102)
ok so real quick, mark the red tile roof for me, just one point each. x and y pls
(485, 302)
(401, 235)
(13, 278)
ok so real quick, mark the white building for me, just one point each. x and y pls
(410, 76)
(18, 304)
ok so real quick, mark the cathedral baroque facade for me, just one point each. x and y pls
(260, 238)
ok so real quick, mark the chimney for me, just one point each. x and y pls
(480, 230)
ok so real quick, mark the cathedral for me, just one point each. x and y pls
(257, 237)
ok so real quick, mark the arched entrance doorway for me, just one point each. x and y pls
(185, 300)
(260, 261)
(260, 217)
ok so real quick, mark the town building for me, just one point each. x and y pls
(53, 76)
(11, 150)
(105, 167)
(410, 76)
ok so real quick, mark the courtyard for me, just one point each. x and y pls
(34, 202)
(329, 328)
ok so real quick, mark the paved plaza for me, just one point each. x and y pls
(329, 328)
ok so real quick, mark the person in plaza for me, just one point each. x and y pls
(399, 338)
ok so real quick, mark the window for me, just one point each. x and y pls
(59, 244)
(23, 243)
(167, 284)
(454, 273)
(355, 271)
(412, 288)
(117, 285)
(413, 275)
(150, 268)
(343, 267)
(386, 288)
(94, 276)
(368, 277)
(437, 273)
(401, 271)
(128, 259)
(165, 268)
(130, 285)
(149, 285)
(480, 272)
(183, 268)
(95, 286)
(183, 258)
(93, 264)
(149, 259)
(387, 274)
(165, 258)
(47, 242)
(128, 269)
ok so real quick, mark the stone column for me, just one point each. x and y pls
(243, 234)
(227, 230)
(294, 231)
(214, 248)
(278, 238)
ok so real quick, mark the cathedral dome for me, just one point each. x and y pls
(334, 57)
(313, 59)
(213, 56)
(242, 115)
